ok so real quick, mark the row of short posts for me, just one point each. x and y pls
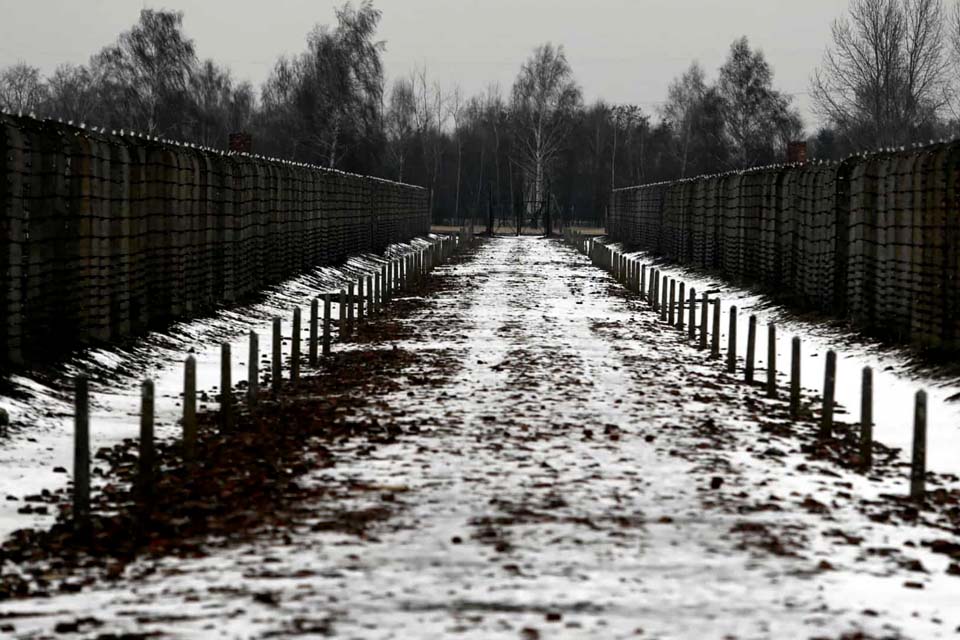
(365, 297)
(670, 298)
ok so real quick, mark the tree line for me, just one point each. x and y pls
(520, 154)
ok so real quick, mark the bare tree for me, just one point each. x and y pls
(400, 122)
(21, 88)
(885, 77)
(759, 120)
(455, 108)
(147, 75)
(684, 102)
(544, 100)
(73, 93)
(431, 116)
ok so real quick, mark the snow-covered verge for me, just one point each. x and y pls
(566, 467)
(37, 455)
(897, 372)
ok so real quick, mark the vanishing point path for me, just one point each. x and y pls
(567, 466)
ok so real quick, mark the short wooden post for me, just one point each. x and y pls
(314, 331)
(326, 324)
(663, 299)
(360, 300)
(226, 388)
(751, 350)
(253, 370)
(680, 300)
(351, 301)
(829, 389)
(732, 342)
(146, 459)
(370, 310)
(671, 315)
(81, 452)
(918, 468)
(771, 360)
(384, 286)
(692, 320)
(795, 379)
(655, 290)
(866, 419)
(295, 347)
(190, 409)
(342, 325)
(715, 338)
(704, 319)
(277, 370)
(643, 282)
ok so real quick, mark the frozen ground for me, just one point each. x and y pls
(39, 449)
(897, 375)
(573, 469)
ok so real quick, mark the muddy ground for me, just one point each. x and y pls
(519, 449)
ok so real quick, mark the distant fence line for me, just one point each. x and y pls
(875, 238)
(106, 236)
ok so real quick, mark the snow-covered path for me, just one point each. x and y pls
(568, 468)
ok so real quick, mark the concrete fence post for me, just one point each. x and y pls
(81, 453)
(918, 467)
(829, 389)
(276, 373)
(751, 350)
(226, 389)
(866, 419)
(190, 409)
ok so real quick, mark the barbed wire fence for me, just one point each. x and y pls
(107, 235)
(875, 238)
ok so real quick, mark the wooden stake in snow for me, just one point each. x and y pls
(866, 419)
(680, 301)
(253, 370)
(751, 350)
(146, 459)
(314, 329)
(663, 300)
(351, 299)
(692, 320)
(360, 300)
(671, 314)
(918, 469)
(190, 409)
(771, 360)
(704, 318)
(829, 389)
(370, 306)
(81, 452)
(384, 286)
(276, 373)
(715, 338)
(326, 324)
(795, 379)
(295, 347)
(732, 342)
(226, 389)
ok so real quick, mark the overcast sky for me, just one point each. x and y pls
(620, 50)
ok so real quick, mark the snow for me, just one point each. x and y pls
(42, 426)
(557, 485)
(897, 375)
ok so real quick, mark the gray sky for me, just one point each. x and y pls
(620, 50)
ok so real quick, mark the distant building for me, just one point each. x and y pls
(796, 152)
(241, 142)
